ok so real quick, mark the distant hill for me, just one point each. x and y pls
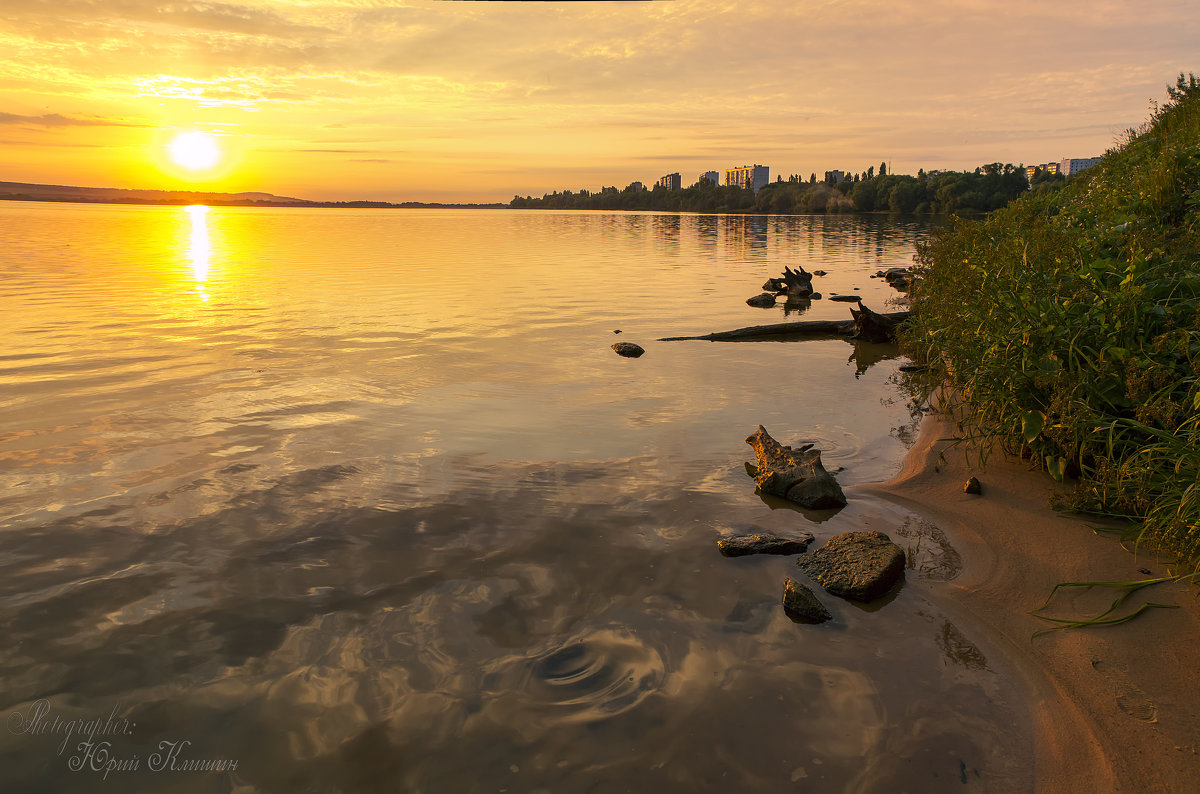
(28, 191)
(33, 192)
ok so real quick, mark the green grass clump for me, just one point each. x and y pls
(1068, 324)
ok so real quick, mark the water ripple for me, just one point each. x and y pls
(593, 676)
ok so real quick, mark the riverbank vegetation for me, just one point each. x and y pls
(1069, 325)
(987, 188)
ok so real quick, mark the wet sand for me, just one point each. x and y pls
(1114, 708)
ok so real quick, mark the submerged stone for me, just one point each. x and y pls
(802, 605)
(740, 545)
(860, 566)
(628, 349)
(795, 474)
(763, 301)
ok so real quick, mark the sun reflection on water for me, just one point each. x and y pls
(200, 247)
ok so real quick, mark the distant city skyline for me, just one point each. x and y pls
(464, 102)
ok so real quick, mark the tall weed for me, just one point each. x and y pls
(1069, 325)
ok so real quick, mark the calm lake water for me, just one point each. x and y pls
(363, 500)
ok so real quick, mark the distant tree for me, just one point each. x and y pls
(883, 168)
(812, 178)
(871, 172)
(905, 195)
(1183, 88)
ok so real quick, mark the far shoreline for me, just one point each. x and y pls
(239, 203)
(420, 205)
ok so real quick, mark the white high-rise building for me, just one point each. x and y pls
(1071, 166)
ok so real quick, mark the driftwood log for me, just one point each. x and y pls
(867, 325)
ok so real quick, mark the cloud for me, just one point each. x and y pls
(799, 87)
(125, 14)
(57, 120)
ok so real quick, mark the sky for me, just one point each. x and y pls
(442, 100)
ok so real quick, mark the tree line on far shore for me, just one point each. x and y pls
(987, 188)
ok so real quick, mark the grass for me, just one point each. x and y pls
(1068, 325)
(1123, 591)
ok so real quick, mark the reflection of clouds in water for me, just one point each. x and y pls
(550, 613)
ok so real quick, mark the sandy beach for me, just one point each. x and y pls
(1113, 708)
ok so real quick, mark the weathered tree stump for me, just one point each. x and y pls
(874, 327)
(798, 283)
(794, 474)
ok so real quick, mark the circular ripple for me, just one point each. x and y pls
(590, 677)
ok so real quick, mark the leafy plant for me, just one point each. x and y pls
(1068, 325)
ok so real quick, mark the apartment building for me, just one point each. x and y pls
(1073, 165)
(752, 176)
(1046, 168)
(671, 182)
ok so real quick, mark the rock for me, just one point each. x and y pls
(819, 273)
(972, 486)
(764, 301)
(741, 545)
(795, 474)
(898, 277)
(628, 349)
(801, 604)
(617, 331)
(845, 298)
(860, 566)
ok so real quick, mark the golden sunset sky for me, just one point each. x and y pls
(478, 101)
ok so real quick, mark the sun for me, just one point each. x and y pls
(194, 151)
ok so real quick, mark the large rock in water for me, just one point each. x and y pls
(802, 605)
(860, 566)
(628, 349)
(795, 474)
(741, 545)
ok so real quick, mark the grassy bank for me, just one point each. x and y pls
(1069, 323)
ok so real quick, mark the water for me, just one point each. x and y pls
(363, 501)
